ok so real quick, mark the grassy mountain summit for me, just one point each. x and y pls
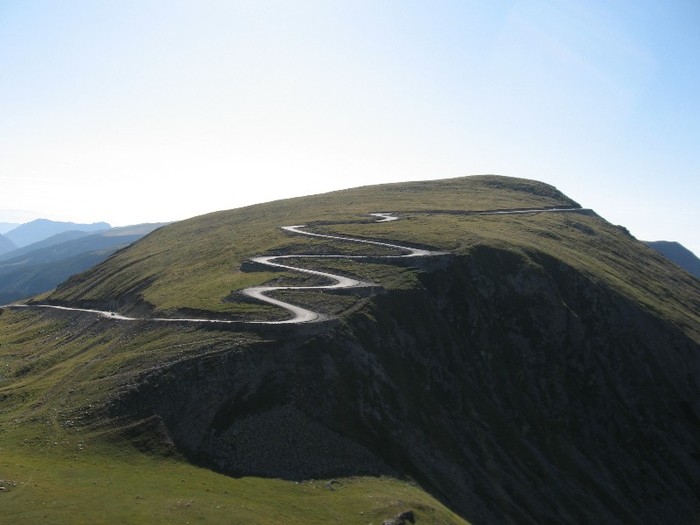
(545, 369)
(196, 264)
(210, 249)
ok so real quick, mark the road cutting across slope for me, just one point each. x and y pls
(303, 315)
(300, 314)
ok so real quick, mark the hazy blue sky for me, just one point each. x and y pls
(135, 111)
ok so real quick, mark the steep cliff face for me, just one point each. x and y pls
(514, 387)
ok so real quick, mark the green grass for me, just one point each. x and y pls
(196, 263)
(76, 482)
(63, 361)
(605, 253)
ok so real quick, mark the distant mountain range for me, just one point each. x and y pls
(40, 229)
(7, 226)
(57, 251)
(6, 244)
(679, 254)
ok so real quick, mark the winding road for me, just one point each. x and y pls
(303, 315)
(299, 314)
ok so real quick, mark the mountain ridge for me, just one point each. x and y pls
(6, 245)
(40, 229)
(678, 254)
(7, 226)
(41, 266)
(541, 372)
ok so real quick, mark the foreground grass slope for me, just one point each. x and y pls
(549, 358)
(114, 486)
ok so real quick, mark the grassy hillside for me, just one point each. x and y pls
(196, 263)
(504, 380)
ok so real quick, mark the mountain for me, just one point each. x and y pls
(40, 229)
(679, 254)
(63, 245)
(543, 368)
(43, 265)
(7, 226)
(6, 245)
(59, 238)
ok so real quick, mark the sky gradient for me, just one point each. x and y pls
(147, 111)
